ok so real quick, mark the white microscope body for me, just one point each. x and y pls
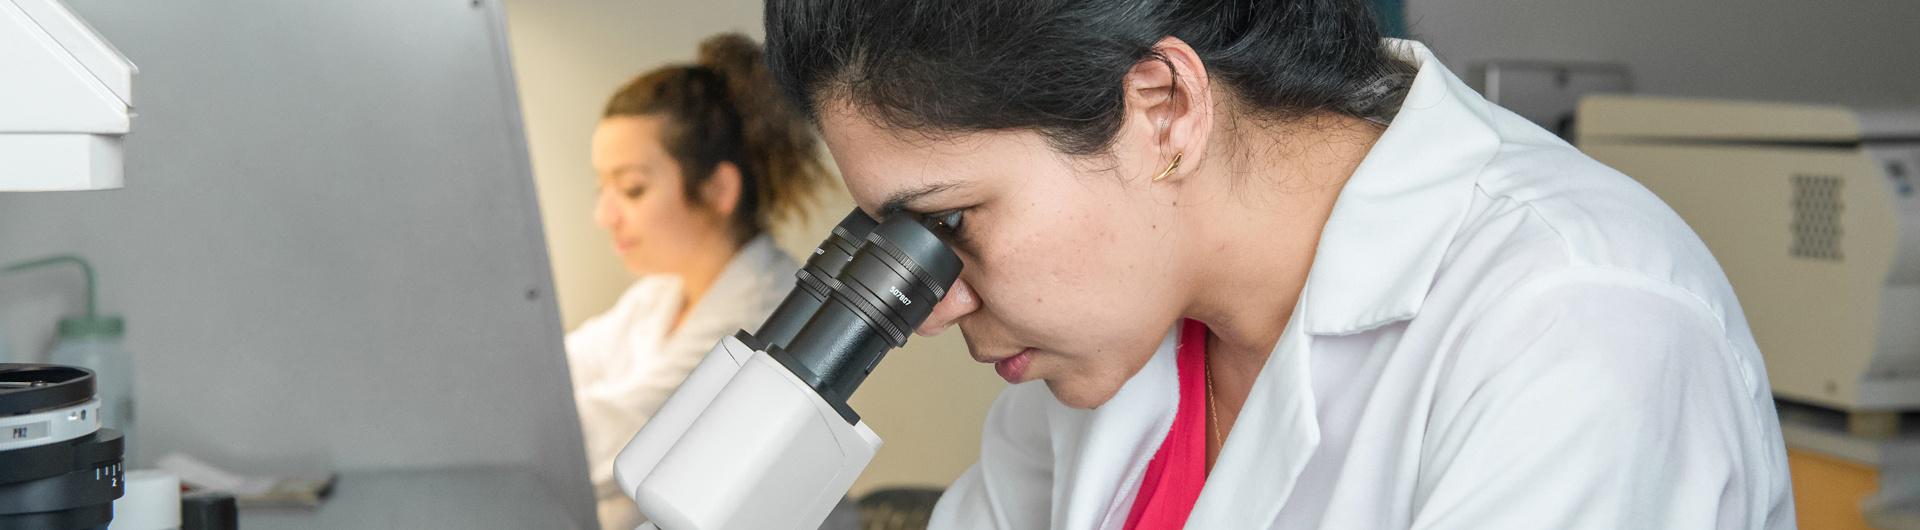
(760, 435)
(743, 444)
(66, 98)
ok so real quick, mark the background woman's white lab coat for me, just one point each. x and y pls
(625, 362)
(1496, 332)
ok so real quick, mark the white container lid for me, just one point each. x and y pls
(152, 502)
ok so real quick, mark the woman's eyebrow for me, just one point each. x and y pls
(901, 199)
(635, 168)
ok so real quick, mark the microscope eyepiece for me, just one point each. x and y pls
(908, 269)
(873, 304)
(810, 282)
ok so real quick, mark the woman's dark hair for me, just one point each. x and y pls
(724, 108)
(1057, 66)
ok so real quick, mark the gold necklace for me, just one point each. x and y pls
(1212, 415)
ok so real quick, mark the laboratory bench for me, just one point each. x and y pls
(464, 499)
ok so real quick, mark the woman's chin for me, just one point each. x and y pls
(1081, 394)
(637, 269)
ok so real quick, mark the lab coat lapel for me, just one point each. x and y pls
(1397, 214)
(1377, 257)
(646, 323)
(1272, 439)
(740, 289)
(1107, 449)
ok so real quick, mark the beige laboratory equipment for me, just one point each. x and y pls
(1811, 209)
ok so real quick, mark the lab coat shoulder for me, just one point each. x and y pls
(1011, 485)
(1593, 400)
(1599, 373)
(1596, 400)
(1555, 211)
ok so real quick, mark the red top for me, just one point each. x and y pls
(1179, 469)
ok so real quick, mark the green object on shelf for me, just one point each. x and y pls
(90, 324)
(107, 327)
(85, 269)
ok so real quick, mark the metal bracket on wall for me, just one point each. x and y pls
(1547, 93)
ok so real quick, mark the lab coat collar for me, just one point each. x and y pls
(1106, 449)
(1381, 249)
(1272, 440)
(1377, 256)
(734, 292)
(1397, 214)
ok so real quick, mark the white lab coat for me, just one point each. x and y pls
(625, 362)
(1496, 332)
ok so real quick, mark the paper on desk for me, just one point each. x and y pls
(249, 491)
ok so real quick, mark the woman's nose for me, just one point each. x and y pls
(604, 213)
(959, 302)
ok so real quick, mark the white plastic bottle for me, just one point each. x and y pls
(94, 343)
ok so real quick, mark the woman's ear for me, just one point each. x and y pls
(1169, 103)
(721, 192)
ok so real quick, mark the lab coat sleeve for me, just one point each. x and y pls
(1010, 487)
(1605, 401)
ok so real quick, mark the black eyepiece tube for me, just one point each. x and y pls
(810, 289)
(874, 304)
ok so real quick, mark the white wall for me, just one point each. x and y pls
(1856, 52)
(327, 250)
(927, 401)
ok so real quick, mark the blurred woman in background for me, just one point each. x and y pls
(695, 163)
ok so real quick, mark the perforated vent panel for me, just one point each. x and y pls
(1816, 217)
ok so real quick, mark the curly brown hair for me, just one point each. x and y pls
(725, 108)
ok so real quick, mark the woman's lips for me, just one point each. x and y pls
(1014, 368)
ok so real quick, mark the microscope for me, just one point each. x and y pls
(65, 105)
(760, 435)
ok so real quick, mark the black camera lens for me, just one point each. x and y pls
(876, 301)
(58, 469)
(29, 387)
(811, 282)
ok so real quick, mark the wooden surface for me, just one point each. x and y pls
(1827, 491)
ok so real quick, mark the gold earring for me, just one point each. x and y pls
(1171, 167)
